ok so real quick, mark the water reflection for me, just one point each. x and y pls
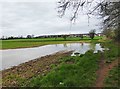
(92, 46)
(65, 45)
(84, 47)
(14, 57)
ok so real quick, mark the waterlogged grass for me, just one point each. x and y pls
(73, 71)
(23, 43)
(113, 78)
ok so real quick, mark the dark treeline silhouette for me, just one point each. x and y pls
(64, 36)
(11, 37)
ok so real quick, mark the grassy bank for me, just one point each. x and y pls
(112, 52)
(73, 71)
(112, 80)
(25, 43)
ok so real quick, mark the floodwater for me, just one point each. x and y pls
(14, 57)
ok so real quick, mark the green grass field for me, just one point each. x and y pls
(25, 43)
(72, 72)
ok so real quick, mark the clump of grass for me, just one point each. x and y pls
(82, 72)
(68, 59)
(53, 65)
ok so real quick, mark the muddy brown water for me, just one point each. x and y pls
(14, 57)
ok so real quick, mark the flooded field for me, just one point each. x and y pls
(14, 57)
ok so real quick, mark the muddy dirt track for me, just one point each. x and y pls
(103, 71)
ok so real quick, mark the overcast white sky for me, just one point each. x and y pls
(39, 17)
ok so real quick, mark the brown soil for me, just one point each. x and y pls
(103, 71)
(27, 70)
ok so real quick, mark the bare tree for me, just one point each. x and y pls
(76, 6)
(110, 11)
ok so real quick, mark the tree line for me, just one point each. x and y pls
(91, 34)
